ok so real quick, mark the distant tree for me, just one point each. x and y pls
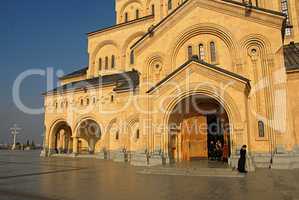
(32, 144)
(27, 143)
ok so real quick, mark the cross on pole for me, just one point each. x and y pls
(14, 131)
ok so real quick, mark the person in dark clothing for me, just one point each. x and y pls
(242, 160)
(212, 150)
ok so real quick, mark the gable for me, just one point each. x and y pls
(214, 70)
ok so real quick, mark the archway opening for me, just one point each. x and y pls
(199, 130)
(62, 138)
(89, 133)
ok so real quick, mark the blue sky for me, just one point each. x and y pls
(42, 34)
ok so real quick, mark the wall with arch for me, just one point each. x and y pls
(205, 53)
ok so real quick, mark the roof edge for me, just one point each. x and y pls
(71, 75)
(196, 60)
(119, 25)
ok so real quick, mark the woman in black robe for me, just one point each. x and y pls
(242, 160)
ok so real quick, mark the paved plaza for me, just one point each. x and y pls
(26, 176)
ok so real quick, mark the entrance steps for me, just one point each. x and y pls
(195, 172)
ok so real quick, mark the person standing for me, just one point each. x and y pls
(242, 160)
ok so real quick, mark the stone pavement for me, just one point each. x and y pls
(26, 176)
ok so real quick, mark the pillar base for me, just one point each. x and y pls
(139, 159)
(120, 156)
(155, 160)
(74, 154)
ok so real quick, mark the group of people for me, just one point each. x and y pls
(216, 150)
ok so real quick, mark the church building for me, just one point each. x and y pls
(184, 80)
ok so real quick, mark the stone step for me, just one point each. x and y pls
(200, 172)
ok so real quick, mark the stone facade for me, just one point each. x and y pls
(160, 53)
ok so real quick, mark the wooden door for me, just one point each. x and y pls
(194, 138)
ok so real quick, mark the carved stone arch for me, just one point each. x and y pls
(132, 124)
(55, 124)
(256, 40)
(83, 118)
(112, 123)
(101, 45)
(155, 58)
(121, 12)
(147, 6)
(112, 130)
(126, 44)
(224, 99)
(235, 118)
(205, 28)
(132, 120)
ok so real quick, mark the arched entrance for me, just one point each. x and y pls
(61, 138)
(88, 134)
(199, 130)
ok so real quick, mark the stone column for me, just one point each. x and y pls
(75, 146)
(61, 141)
(91, 145)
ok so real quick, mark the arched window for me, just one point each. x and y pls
(61, 104)
(66, 104)
(190, 52)
(94, 100)
(56, 105)
(137, 14)
(213, 52)
(201, 52)
(106, 62)
(113, 61)
(81, 102)
(132, 59)
(285, 10)
(100, 64)
(126, 17)
(261, 127)
(87, 101)
(153, 9)
(169, 4)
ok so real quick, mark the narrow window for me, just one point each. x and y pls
(56, 105)
(153, 9)
(61, 105)
(112, 98)
(169, 4)
(94, 100)
(117, 135)
(137, 134)
(137, 14)
(132, 60)
(112, 61)
(285, 10)
(201, 52)
(213, 52)
(106, 62)
(261, 127)
(66, 104)
(190, 52)
(100, 64)
(81, 102)
(87, 101)
(126, 17)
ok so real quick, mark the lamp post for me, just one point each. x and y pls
(14, 131)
